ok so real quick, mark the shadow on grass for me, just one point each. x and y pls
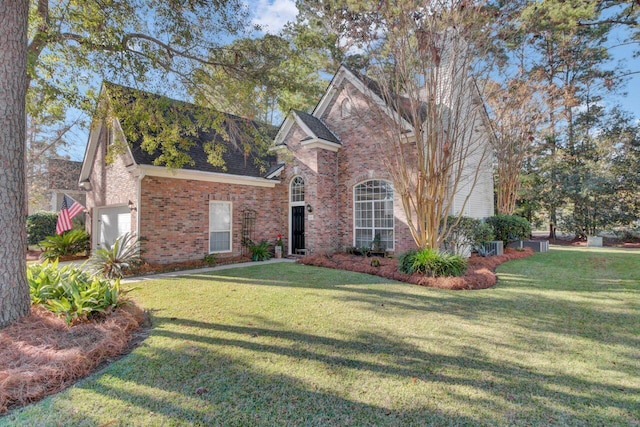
(241, 393)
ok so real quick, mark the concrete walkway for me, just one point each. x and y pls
(204, 270)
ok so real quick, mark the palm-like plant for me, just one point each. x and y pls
(70, 242)
(111, 262)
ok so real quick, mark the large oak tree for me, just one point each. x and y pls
(14, 292)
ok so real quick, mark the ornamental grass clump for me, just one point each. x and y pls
(432, 263)
(71, 292)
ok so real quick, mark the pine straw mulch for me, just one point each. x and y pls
(480, 272)
(41, 355)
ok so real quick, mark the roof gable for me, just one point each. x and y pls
(312, 123)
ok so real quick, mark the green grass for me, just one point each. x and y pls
(556, 342)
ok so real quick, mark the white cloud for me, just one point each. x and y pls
(272, 15)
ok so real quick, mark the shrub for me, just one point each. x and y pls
(112, 262)
(375, 262)
(468, 233)
(40, 225)
(71, 242)
(405, 261)
(210, 259)
(71, 292)
(460, 236)
(509, 228)
(438, 264)
(259, 252)
(483, 234)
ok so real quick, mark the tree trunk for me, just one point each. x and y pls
(14, 291)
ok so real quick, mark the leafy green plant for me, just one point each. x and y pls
(375, 262)
(438, 264)
(112, 261)
(71, 242)
(509, 228)
(72, 292)
(210, 259)
(259, 252)
(406, 260)
(40, 225)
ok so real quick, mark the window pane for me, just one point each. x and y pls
(373, 213)
(219, 226)
(386, 238)
(297, 189)
(363, 237)
(219, 241)
(219, 216)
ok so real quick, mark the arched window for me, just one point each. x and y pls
(373, 214)
(345, 108)
(297, 189)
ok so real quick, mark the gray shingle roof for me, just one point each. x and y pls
(318, 127)
(240, 131)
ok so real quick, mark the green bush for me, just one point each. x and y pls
(40, 225)
(509, 228)
(438, 264)
(467, 233)
(259, 252)
(70, 242)
(112, 262)
(210, 259)
(405, 261)
(71, 292)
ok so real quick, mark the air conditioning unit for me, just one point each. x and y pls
(494, 247)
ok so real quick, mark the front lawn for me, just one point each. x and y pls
(555, 342)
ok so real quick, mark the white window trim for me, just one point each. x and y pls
(304, 185)
(230, 227)
(290, 214)
(393, 228)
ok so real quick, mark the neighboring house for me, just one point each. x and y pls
(62, 178)
(327, 191)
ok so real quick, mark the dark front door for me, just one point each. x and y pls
(297, 228)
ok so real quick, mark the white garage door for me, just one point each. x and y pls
(112, 223)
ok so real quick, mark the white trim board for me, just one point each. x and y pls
(164, 172)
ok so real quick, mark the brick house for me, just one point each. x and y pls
(324, 189)
(62, 178)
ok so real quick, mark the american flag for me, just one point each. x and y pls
(69, 209)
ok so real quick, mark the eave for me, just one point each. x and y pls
(186, 174)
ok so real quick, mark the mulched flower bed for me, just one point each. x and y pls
(480, 273)
(41, 355)
(151, 268)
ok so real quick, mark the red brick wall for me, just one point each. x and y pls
(174, 220)
(111, 184)
(330, 177)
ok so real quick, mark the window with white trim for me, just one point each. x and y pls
(373, 214)
(219, 226)
(297, 189)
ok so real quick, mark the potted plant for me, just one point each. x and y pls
(279, 246)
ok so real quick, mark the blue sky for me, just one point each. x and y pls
(272, 15)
